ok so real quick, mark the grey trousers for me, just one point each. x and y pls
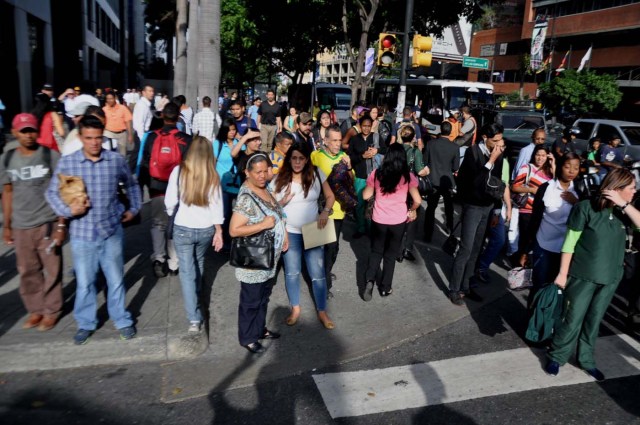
(163, 249)
(474, 225)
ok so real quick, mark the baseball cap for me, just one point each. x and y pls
(305, 118)
(22, 121)
(79, 109)
(47, 87)
(360, 109)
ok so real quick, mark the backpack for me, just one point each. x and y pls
(384, 130)
(341, 182)
(165, 154)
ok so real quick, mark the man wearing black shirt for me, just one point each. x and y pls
(269, 120)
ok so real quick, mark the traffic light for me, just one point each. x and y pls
(421, 51)
(386, 49)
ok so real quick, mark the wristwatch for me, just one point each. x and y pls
(328, 211)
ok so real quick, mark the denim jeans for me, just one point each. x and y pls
(87, 257)
(474, 225)
(497, 239)
(314, 260)
(191, 245)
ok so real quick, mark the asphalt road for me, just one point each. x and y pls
(131, 394)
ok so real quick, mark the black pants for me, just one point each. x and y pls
(432, 205)
(385, 246)
(523, 231)
(252, 311)
(331, 253)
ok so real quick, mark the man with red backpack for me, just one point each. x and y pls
(163, 150)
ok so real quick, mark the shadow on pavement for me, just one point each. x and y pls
(267, 406)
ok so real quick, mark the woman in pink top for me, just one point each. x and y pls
(390, 184)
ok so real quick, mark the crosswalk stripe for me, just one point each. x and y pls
(465, 378)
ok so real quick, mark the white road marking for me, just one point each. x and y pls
(465, 378)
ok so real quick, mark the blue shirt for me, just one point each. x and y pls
(243, 125)
(610, 154)
(101, 179)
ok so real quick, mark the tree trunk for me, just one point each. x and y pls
(193, 55)
(211, 68)
(358, 87)
(180, 69)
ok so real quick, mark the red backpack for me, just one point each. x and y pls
(166, 154)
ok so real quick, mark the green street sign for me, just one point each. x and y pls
(470, 62)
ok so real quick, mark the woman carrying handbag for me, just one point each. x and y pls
(256, 211)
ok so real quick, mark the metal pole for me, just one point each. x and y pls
(402, 93)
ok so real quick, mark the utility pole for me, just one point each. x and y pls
(402, 94)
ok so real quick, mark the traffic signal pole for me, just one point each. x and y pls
(402, 94)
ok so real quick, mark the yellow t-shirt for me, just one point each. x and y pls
(325, 161)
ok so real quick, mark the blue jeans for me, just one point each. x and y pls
(497, 239)
(191, 245)
(87, 257)
(314, 260)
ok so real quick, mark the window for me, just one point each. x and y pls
(607, 132)
(633, 135)
(586, 129)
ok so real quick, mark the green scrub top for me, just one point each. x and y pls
(599, 254)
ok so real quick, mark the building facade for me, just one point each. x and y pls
(66, 43)
(611, 28)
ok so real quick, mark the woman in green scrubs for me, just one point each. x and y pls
(595, 231)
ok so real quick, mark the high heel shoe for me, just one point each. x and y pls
(326, 322)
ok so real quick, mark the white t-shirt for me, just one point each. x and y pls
(193, 216)
(301, 210)
(553, 226)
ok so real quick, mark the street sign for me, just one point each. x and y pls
(470, 62)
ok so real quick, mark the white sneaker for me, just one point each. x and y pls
(194, 327)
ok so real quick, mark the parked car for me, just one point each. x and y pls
(628, 132)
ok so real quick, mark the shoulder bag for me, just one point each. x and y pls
(253, 252)
(519, 200)
(425, 187)
(172, 217)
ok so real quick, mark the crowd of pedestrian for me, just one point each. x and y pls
(84, 162)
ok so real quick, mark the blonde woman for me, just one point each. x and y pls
(195, 196)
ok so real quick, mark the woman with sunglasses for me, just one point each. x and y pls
(298, 187)
(255, 211)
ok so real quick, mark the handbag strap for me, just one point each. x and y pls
(258, 203)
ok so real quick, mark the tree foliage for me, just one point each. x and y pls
(581, 92)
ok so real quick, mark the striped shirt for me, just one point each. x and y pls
(101, 179)
(538, 178)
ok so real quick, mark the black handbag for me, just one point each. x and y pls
(452, 244)
(424, 185)
(253, 252)
(172, 218)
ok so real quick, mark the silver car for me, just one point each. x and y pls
(628, 132)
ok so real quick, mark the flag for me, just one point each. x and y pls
(586, 58)
(537, 45)
(544, 64)
(369, 60)
(563, 63)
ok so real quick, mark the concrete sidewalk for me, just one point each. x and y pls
(215, 359)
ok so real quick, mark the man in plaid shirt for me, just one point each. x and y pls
(96, 227)
(203, 121)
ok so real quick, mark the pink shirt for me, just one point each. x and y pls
(391, 208)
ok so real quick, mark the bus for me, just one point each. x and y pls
(438, 98)
(336, 96)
